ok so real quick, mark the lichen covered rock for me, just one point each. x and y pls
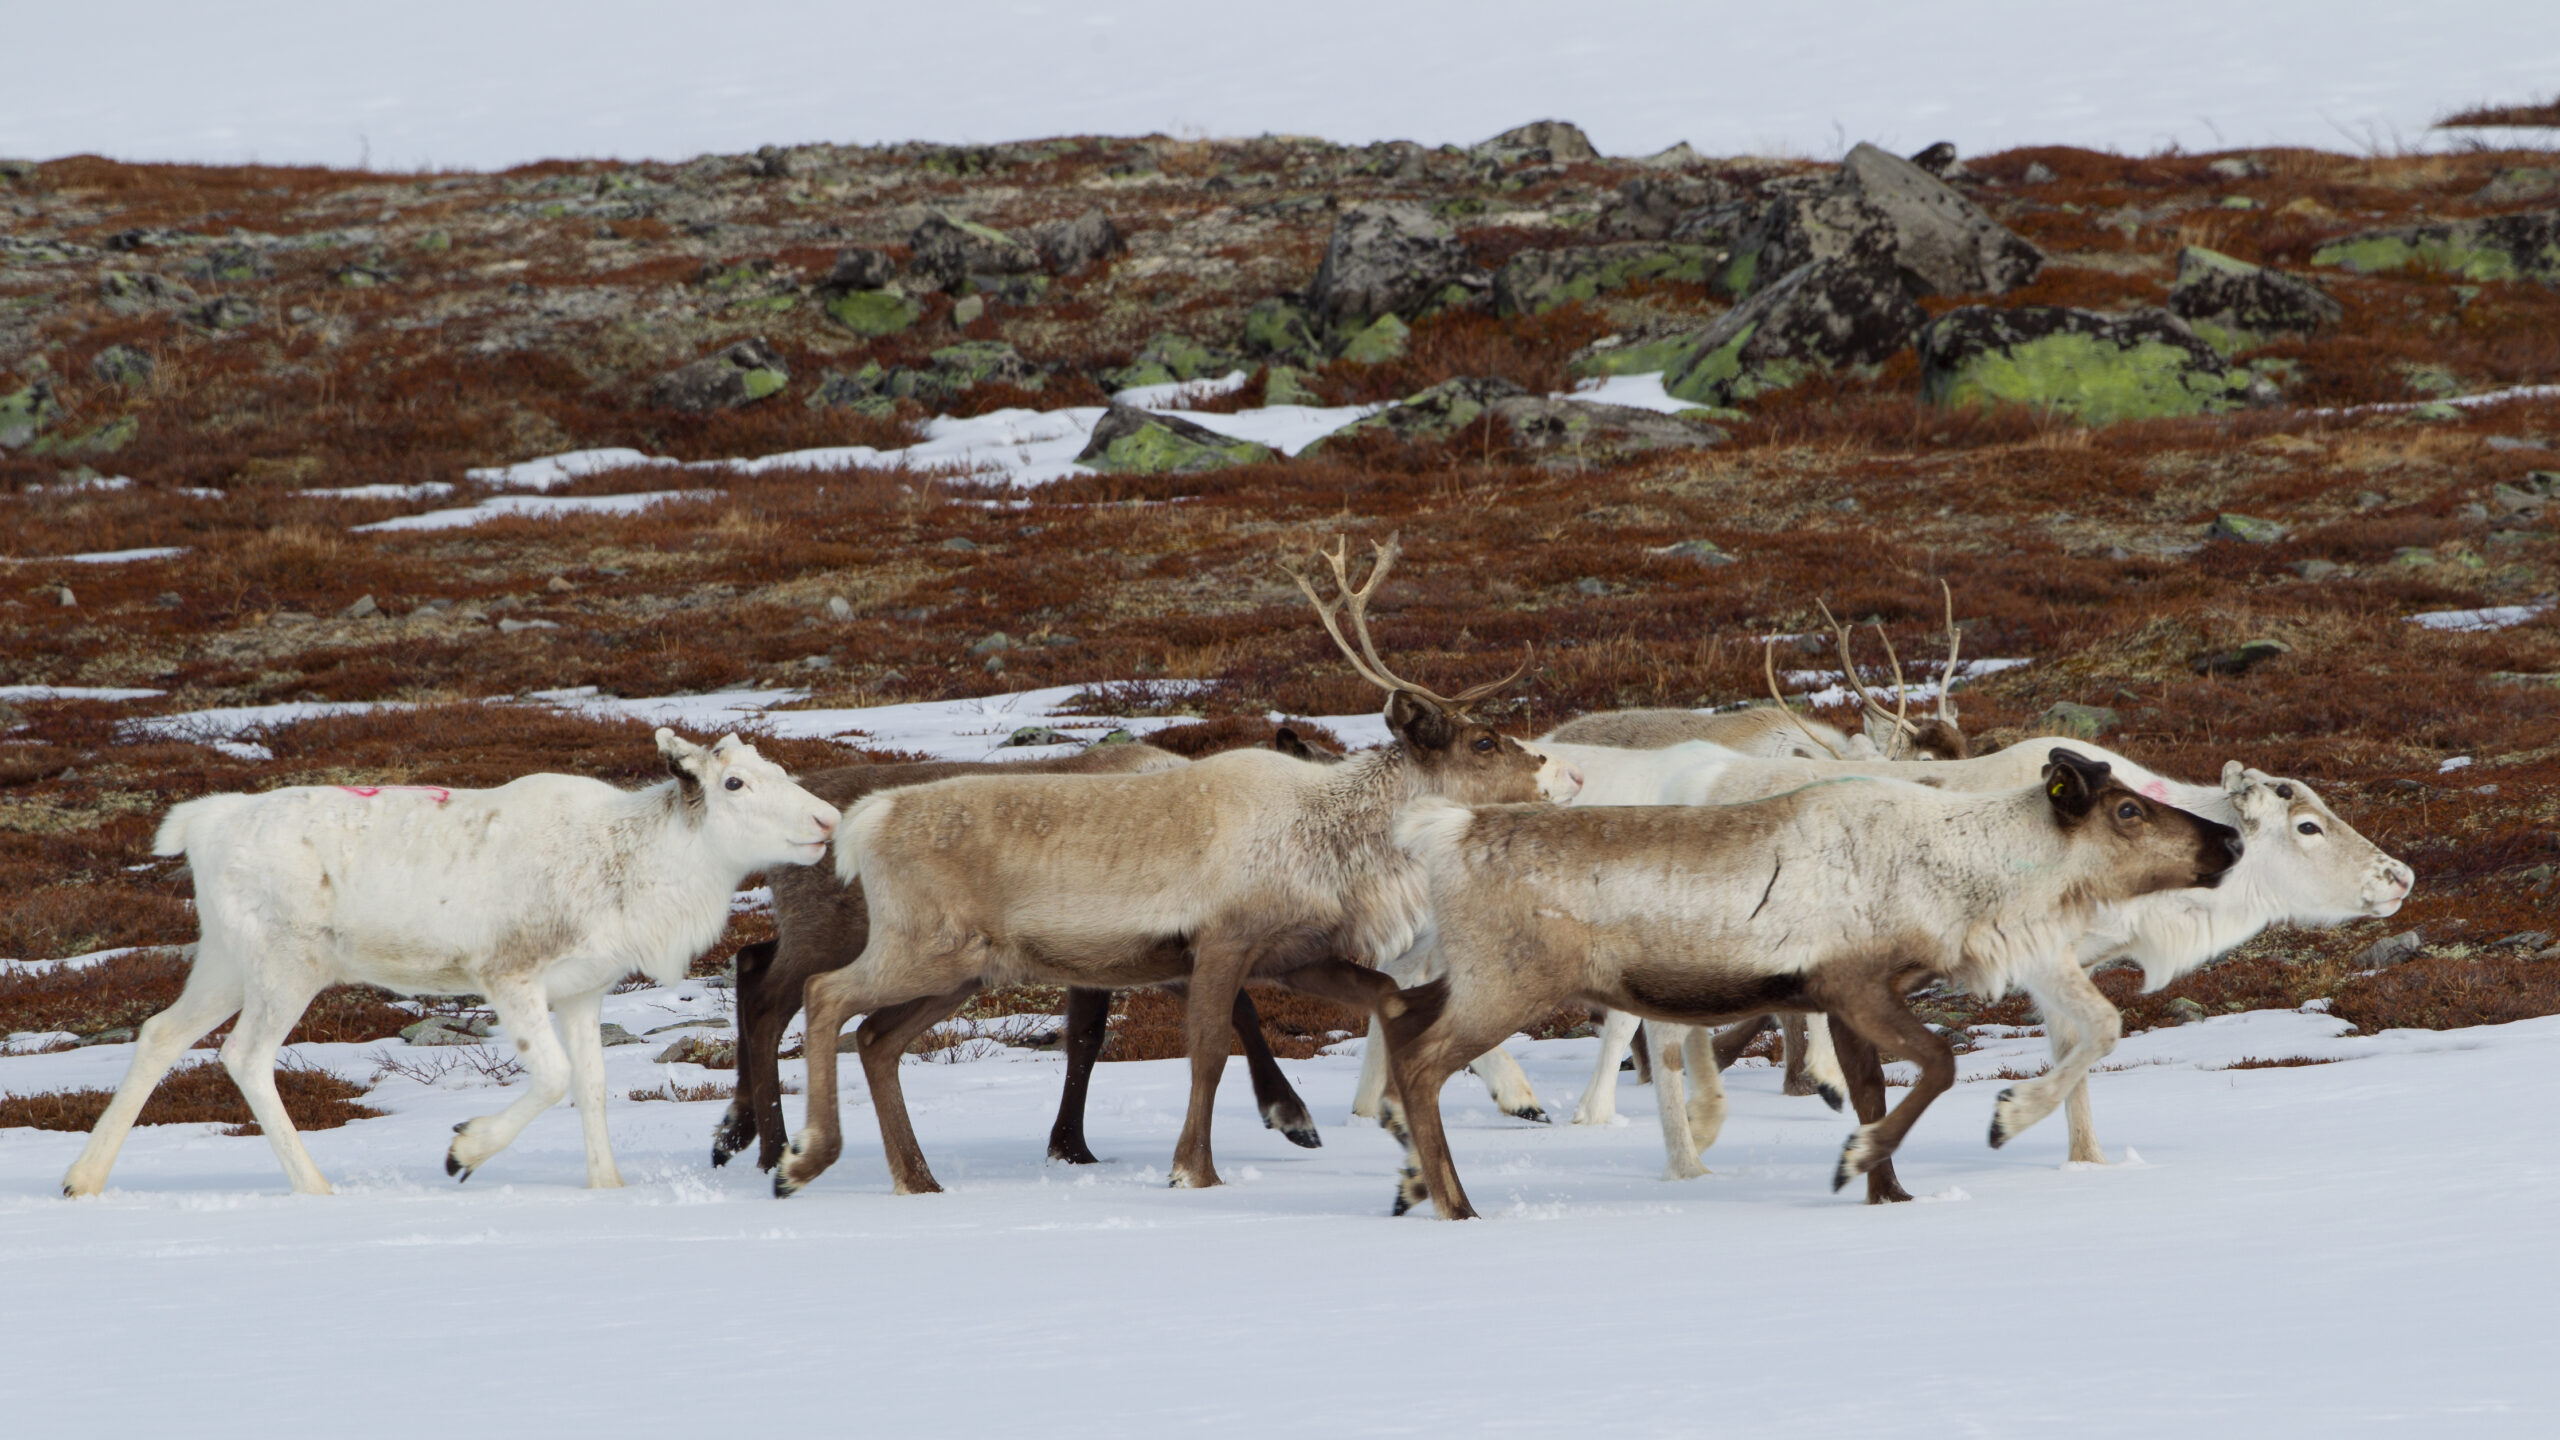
(1382, 340)
(962, 256)
(1390, 257)
(1828, 315)
(1573, 432)
(740, 375)
(2235, 305)
(1134, 441)
(1537, 143)
(2093, 366)
(1880, 205)
(1067, 246)
(1171, 357)
(1444, 409)
(873, 312)
(2502, 247)
(1540, 280)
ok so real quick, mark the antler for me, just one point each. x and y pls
(1955, 642)
(1902, 725)
(1769, 668)
(1366, 660)
(1903, 728)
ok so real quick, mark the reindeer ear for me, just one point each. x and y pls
(727, 743)
(2071, 781)
(682, 755)
(2235, 777)
(1419, 723)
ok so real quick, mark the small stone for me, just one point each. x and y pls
(1590, 585)
(2239, 661)
(839, 608)
(706, 1051)
(363, 608)
(1039, 735)
(512, 626)
(1287, 385)
(558, 586)
(969, 308)
(121, 1035)
(613, 1034)
(2527, 939)
(2085, 722)
(959, 542)
(2038, 173)
(817, 662)
(64, 597)
(2371, 499)
(2391, 951)
(739, 375)
(2316, 569)
(121, 365)
(445, 1030)
(2247, 529)
(2185, 1011)
(2437, 411)
(1117, 737)
(992, 643)
(1705, 552)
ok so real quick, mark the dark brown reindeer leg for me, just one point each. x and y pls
(1281, 1108)
(1732, 1040)
(1864, 1070)
(883, 1039)
(1640, 1052)
(1882, 1018)
(759, 1073)
(1087, 1026)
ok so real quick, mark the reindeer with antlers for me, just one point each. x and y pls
(1246, 866)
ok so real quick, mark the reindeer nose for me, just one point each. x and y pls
(825, 825)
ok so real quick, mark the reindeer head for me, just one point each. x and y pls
(2147, 844)
(2302, 856)
(1455, 754)
(745, 805)
(1894, 734)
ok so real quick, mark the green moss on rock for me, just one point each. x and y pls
(874, 312)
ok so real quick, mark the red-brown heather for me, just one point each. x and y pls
(437, 322)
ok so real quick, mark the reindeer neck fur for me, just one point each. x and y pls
(652, 864)
(1344, 836)
(2041, 890)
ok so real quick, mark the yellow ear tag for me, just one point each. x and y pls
(2056, 791)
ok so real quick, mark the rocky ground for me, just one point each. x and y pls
(2194, 434)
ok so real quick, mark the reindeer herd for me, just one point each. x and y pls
(1676, 871)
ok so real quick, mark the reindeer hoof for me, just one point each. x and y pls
(2000, 1118)
(461, 1126)
(1831, 1096)
(1531, 1113)
(1075, 1154)
(1302, 1136)
(784, 1187)
(455, 1168)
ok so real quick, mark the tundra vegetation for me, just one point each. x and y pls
(2190, 589)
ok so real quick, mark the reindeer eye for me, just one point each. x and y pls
(2128, 811)
(733, 783)
(2307, 828)
(1485, 744)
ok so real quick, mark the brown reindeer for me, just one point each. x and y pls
(1837, 897)
(1245, 866)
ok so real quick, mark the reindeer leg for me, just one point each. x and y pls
(1822, 1065)
(1088, 1022)
(1671, 1093)
(1218, 967)
(883, 1041)
(1863, 1072)
(2075, 1007)
(1600, 1098)
(1281, 1108)
(1707, 1106)
(1878, 1016)
(2064, 1035)
(759, 1080)
(831, 999)
(1732, 1040)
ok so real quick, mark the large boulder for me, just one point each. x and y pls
(2502, 247)
(1574, 432)
(1648, 206)
(1131, 440)
(963, 256)
(1940, 242)
(1171, 357)
(1390, 257)
(1539, 280)
(861, 294)
(740, 375)
(1442, 410)
(1830, 314)
(2091, 365)
(2235, 305)
(1539, 142)
(1067, 246)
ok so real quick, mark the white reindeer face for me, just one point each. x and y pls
(2306, 858)
(749, 807)
(1558, 780)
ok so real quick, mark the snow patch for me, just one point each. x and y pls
(2494, 617)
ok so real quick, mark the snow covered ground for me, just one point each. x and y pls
(487, 83)
(2353, 1248)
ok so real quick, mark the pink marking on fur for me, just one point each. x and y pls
(440, 793)
(2157, 790)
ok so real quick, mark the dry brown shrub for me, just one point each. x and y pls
(2253, 1062)
(201, 1093)
(125, 990)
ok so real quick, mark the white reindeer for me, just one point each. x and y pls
(539, 894)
